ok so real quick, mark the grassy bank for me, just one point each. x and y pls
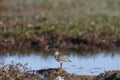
(43, 24)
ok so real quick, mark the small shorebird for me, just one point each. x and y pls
(60, 58)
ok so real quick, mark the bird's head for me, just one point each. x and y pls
(56, 53)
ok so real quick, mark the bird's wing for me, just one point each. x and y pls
(62, 58)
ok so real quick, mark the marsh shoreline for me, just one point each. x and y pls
(53, 73)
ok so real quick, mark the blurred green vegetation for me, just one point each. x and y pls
(21, 19)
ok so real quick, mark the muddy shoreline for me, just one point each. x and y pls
(54, 73)
(20, 71)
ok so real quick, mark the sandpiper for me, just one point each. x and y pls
(60, 58)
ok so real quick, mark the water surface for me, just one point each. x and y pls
(81, 64)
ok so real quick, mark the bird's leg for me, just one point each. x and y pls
(60, 64)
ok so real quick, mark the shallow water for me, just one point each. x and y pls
(81, 64)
